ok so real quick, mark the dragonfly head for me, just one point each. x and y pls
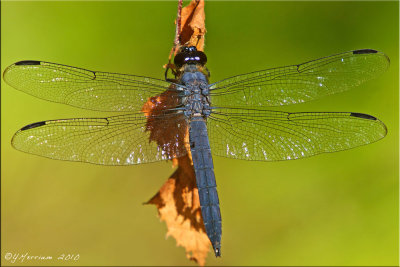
(189, 55)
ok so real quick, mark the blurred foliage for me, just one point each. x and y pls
(334, 209)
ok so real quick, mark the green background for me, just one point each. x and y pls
(332, 209)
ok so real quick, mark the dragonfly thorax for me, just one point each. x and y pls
(197, 99)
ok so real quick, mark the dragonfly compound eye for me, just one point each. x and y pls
(190, 57)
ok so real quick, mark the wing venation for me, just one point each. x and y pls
(118, 140)
(82, 88)
(299, 83)
(272, 135)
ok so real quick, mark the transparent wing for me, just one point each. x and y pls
(271, 135)
(83, 88)
(118, 140)
(299, 83)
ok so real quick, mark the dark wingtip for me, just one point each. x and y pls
(28, 62)
(33, 125)
(363, 116)
(372, 51)
(369, 117)
(365, 51)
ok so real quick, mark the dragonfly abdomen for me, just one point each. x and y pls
(205, 179)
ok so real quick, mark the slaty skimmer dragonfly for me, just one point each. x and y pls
(226, 118)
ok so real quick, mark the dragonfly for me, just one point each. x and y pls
(166, 119)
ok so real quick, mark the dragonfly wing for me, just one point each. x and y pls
(299, 83)
(118, 140)
(83, 88)
(272, 135)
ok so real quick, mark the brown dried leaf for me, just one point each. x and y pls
(178, 205)
(166, 132)
(193, 27)
(178, 200)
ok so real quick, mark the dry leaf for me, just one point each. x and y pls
(193, 27)
(178, 200)
(178, 205)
